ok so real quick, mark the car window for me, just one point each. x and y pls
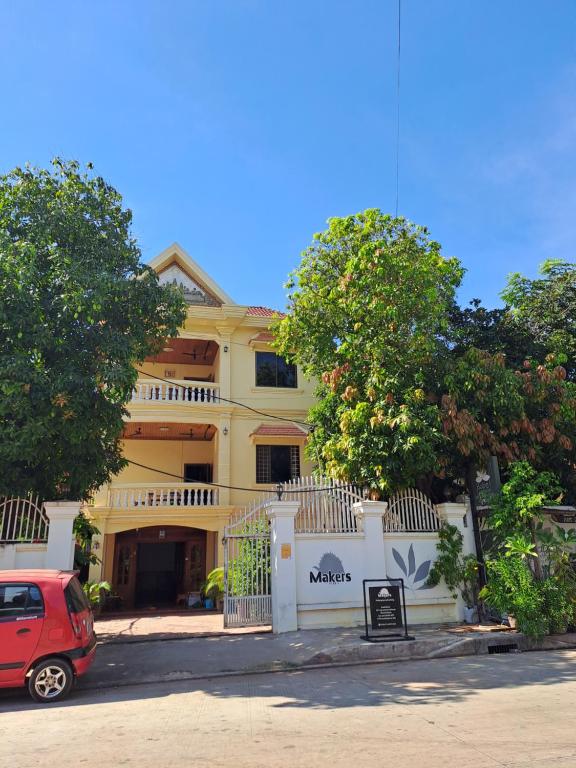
(76, 600)
(20, 600)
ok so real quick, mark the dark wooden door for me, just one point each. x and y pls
(194, 565)
(125, 571)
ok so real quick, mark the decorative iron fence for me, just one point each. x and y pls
(326, 505)
(411, 511)
(22, 521)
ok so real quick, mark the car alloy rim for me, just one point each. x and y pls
(50, 682)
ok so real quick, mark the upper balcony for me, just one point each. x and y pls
(182, 391)
(184, 372)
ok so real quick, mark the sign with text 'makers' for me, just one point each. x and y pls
(385, 607)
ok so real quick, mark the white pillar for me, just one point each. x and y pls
(460, 516)
(61, 516)
(370, 515)
(283, 565)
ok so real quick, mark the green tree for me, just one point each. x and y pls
(545, 309)
(368, 308)
(77, 310)
(411, 386)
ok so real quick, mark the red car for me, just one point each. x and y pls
(47, 634)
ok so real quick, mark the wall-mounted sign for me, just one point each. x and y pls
(329, 571)
(384, 600)
(285, 551)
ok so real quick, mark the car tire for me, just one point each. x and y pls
(51, 681)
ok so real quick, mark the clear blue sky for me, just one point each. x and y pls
(237, 127)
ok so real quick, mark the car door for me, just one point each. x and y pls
(21, 619)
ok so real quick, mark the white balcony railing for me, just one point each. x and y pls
(193, 392)
(145, 495)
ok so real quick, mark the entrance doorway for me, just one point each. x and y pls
(155, 567)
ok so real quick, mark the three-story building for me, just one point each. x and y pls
(194, 439)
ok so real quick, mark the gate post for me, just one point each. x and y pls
(370, 515)
(60, 550)
(283, 565)
(457, 515)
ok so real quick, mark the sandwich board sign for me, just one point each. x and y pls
(385, 610)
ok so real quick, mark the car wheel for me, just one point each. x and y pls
(50, 681)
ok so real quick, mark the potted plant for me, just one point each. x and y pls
(95, 591)
(213, 588)
(460, 573)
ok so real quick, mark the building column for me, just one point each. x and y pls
(370, 515)
(223, 460)
(60, 550)
(283, 565)
(225, 348)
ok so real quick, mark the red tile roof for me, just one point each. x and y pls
(264, 312)
(264, 336)
(280, 430)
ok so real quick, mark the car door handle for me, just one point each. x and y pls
(22, 631)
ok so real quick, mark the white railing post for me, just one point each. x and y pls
(283, 565)
(370, 515)
(460, 516)
(60, 550)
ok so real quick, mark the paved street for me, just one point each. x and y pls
(507, 710)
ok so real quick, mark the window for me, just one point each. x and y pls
(76, 600)
(20, 600)
(198, 473)
(273, 371)
(277, 463)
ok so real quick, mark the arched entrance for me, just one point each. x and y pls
(159, 566)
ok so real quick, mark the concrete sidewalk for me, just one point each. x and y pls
(147, 661)
(182, 625)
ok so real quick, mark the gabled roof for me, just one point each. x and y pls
(178, 266)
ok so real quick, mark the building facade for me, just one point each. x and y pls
(197, 449)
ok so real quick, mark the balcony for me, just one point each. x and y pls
(146, 496)
(178, 392)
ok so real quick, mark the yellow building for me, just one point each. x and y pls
(161, 535)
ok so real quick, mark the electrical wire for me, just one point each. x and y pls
(398, 106)
(238, 488)
(233, 402)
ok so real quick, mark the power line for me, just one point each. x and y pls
(233, 402)
(238, 488)
(398, 106)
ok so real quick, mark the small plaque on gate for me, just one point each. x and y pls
(286, 551)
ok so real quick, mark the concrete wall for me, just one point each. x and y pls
(300, 599)
(21, 556)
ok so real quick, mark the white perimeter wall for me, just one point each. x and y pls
(22, 556)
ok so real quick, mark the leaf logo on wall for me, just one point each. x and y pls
(415, 577)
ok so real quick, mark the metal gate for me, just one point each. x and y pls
(247, 588)
(326, 506)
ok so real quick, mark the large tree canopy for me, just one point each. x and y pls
(411, 385)
(77, 310)
(368, 306)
